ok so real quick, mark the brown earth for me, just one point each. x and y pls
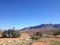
(38, 43)
(46, 43)
(24, 36)
(54, 39)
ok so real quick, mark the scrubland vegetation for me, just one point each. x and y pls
(20, 39)
(11, 33)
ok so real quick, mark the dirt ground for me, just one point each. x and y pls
(38, 43)
(46, 43)
(26, 36)
(54, 39)
(23, 36)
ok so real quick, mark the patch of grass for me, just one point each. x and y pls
(54, 42)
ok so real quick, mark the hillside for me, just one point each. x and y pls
(49, 28)
(44, 26)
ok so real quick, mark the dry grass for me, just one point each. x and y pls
(23, 40)
(48, 41)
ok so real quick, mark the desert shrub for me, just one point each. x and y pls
(36, 36)
(56, 33)
(5, 34)
(16, 34)
(11, 34)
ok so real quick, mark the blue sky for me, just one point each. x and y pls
(24, 13)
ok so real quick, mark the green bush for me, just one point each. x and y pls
(11, 34)
(56, 33)
(36, 36)
(16, 34)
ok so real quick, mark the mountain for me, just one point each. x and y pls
(44, 27)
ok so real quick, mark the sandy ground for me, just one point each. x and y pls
(38, 43)
(55, 39)
(23, 36)
(46, 39)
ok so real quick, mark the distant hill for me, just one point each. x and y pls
(44, 27)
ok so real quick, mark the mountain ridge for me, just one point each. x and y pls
(44, 26)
